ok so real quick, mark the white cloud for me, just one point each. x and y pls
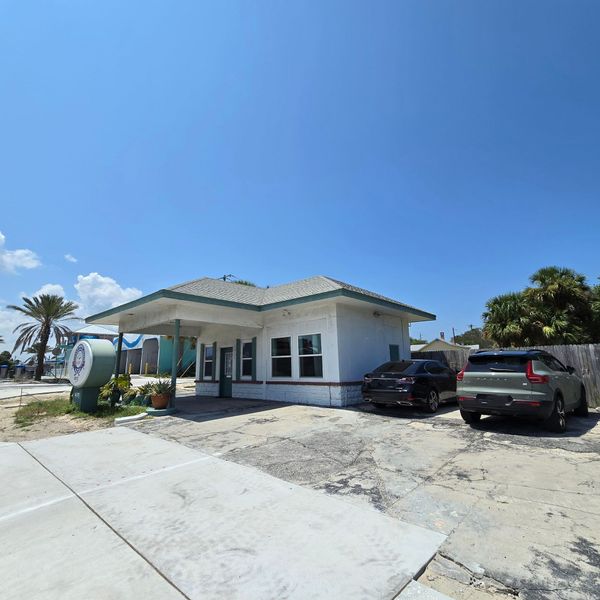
(12, 260)
(97, 293)
(70, 258)
(53, 289)
(9, 319)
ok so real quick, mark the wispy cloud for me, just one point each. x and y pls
(13, 260)
(70, 258)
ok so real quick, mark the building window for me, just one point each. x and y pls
(281, 357)
(310, 355)
(208, 362)
(246, 359)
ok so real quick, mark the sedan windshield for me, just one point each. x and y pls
(407, 367)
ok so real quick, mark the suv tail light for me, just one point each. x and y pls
(461, 374)
(533, 376)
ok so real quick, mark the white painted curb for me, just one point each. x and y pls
(131, 419)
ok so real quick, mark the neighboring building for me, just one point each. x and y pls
(440, 344)
(307, 342)
(141, 354)
(149, 354)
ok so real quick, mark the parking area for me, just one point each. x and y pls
(520, 506)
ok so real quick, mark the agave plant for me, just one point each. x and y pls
(163, 386)
(45, 313)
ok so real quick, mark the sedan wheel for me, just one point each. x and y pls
(433, 401)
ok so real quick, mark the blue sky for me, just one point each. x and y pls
(436, 152)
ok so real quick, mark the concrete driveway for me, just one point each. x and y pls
(520, 506)
(117, 514)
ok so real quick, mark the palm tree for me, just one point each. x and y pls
(45, 313)
(595, 305)
(561, 302)
(507, 320)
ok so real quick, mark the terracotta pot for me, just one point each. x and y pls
(160, 400)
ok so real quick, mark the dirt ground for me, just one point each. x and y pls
(47, 427)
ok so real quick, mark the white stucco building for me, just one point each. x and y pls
(308, 342)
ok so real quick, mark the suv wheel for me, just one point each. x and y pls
(557, 421)
(582, 409)
(433, 401)
(470, 417)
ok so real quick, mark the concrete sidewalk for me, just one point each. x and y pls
(14, 390)
(120, 514)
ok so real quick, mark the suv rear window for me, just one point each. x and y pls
(403, 366)
(511, 364)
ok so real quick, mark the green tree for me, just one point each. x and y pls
(507, 320)
(417, 341)
(558, 308)
(5, 359)
(595, 306)
(471, 337)
(45, 313)
(561, 305)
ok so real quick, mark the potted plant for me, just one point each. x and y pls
(162, 390)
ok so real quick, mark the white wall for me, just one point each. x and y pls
(297, 321)
(353, 342)
(364, 340)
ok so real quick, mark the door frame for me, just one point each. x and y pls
(225, 382)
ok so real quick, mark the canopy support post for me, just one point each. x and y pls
(174, 361)
(119, 350)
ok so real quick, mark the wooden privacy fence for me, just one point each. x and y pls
(455, 359)
(585, 358)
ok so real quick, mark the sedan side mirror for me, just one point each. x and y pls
(571, 370)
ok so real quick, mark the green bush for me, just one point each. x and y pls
(115, 388)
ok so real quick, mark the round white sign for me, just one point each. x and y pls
(80, 363)
(91, 363)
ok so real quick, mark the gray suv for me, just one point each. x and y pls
(520, 383)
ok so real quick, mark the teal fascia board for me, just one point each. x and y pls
(354, 296)
(256, 308)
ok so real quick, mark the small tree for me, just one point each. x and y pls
(471, 337)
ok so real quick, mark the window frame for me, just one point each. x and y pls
(205, 360)
(249, 359)
(280, 356)
(313, 355)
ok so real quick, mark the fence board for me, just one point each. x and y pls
(585, 358)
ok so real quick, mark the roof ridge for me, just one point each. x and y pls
(186, 282)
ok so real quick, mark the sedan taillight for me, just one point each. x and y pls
(406, 380)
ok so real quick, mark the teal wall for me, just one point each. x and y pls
(165, 352)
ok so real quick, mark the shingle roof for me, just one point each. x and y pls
(257, 296)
